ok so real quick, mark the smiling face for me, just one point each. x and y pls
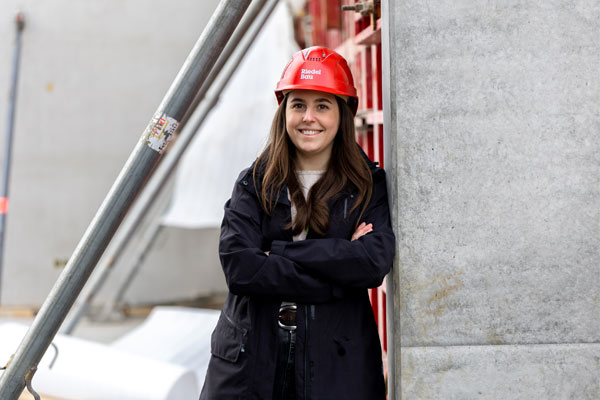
(312, 121)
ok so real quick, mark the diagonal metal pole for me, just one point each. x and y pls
(20, 25)
(166, 168)
(140, 208)
(136, 171)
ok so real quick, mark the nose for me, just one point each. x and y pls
(308, 116)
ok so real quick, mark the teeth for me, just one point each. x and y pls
(309, 133)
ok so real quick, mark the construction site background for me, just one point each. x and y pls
(91, 74)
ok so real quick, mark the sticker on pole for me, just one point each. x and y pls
(160, 131)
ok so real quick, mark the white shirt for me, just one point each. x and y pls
(306, 179)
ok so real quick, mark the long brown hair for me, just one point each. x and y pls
(347, 169)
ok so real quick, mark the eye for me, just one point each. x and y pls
(297, 106)
(322, 107)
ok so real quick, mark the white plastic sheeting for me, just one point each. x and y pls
(236, 130)
(165, 358)
(175, 335)
(86, 370)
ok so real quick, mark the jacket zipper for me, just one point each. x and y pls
(345, 207)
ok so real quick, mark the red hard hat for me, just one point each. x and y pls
(318, 68)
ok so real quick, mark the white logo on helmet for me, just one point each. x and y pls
(308, 73)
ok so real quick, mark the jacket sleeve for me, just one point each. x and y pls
(249, 271)
(362, 263)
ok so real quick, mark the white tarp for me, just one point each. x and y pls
(86, 370)
(164, 358)
(236, 130)
(175, 335)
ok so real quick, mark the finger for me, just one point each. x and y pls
(366, 228)
(362, 228)
(360, 233)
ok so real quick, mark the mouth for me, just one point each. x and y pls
(310, 132)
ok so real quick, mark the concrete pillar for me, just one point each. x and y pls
(493, 150)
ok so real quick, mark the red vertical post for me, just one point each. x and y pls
(368, 76)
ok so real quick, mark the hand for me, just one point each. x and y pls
(362, 229)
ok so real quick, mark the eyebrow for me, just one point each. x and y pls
(319, 100)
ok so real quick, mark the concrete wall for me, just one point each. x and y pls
(494, 143)
(92, 74)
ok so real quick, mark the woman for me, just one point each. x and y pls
(305, 233)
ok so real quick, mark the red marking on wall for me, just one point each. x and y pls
(3, 205)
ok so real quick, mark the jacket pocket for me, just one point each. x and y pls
(228, 340)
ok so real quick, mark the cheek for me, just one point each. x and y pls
(334, 123)
(334, 119)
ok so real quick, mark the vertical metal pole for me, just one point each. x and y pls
(146, 199)
(20, 25)
(136, 171)
(390, 157)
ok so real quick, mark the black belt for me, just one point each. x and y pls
(287, 317)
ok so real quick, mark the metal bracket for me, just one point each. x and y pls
(55, 347)
(366, 8)
(31, 372)
(363, 7)
(28, 378)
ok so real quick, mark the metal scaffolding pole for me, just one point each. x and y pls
(172, 158)
(392, 315)
(136, 171)
(12, 101)
(156, 183)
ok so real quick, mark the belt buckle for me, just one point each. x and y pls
(287, 309)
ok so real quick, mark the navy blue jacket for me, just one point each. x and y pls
(338, 353)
